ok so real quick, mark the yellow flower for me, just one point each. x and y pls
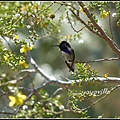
(69, 36)
(6, 57)
(87, 67)
(15, 38)
(31, 47)
(23, 64)
(106, 75)
(25, 48)
(17, 100)
(81, 98)
(103, 14)
(81, 10)
(24, 10)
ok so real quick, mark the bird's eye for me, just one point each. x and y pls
(63, 45)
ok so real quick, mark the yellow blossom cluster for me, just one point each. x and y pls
(104, 14)
(87, 67)
(6, 57)
(69, 36)
(23, 64)
(106, 75)
(25, 48)
(16, 100)
(15, 37)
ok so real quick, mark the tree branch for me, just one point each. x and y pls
(111, 43)
(99, 60)
(68, 84)
(86, 25)
(72, 25)
(38, 69)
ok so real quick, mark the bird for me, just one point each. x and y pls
(67, 54)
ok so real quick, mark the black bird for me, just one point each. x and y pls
(67, 54)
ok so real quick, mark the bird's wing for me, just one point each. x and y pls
(70, 66)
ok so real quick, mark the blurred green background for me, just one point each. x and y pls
(88, 47)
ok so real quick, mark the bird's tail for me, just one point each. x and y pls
(71, 65)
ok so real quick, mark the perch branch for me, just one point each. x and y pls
(99, 60)
(38, 69)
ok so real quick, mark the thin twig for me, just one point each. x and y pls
(73, 27)
(64, 3)
(38, 69)
(7, 113)
(110, 24)
(57, 9)
(99, 60)
(85, 24)
(31, 82)
(45, 8)
(102, 33)
(59, 89)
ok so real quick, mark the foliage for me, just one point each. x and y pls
(25, 25)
